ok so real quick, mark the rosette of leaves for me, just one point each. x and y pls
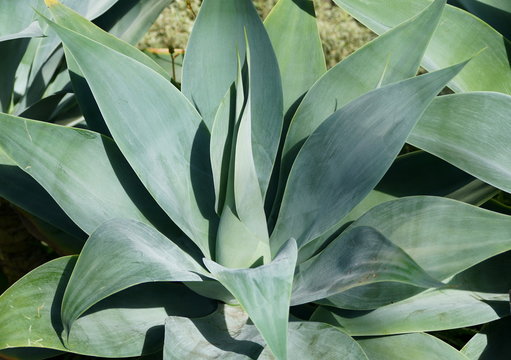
(259, 212)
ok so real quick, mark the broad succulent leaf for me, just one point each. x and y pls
(160, 148)
(310, 340)
(76, 167)
(293, 31)
(389, 58)
(264, 293)
(418, 346)
(459, 35)
(497, 13)
(357, 257)
(429, 311)
(225, 334)
(414, 224)
(142, 255)
(468, 139)
(120, 326)
(351, 150)
(219, 31)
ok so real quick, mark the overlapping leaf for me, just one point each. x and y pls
(349, 153)
(156, 128)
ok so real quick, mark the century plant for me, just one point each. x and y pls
(260, 212)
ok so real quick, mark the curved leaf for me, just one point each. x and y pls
(127, 324)
(309, 340)
(161, 148)
(442, 244)
(349, 153)
(471, 131)
(77, 167)
(409, 346)
(225, 334)
(264, 293)
(459, 36)
(142, 255)
(429, 311)
(357, 257)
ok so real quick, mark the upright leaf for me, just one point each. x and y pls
(264, 293)
(349, 153)
(459, 36)
(162, 147)
(391, 57)
(219, 31)
(293, 31)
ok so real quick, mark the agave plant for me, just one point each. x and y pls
(261, 212)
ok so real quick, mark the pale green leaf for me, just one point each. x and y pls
(392, 57)
(264, 293)
(349, 153)
(357, 257)
(219, 31)
(471, 131)
(310, 340)
(409, 346)
(442, 244)
(225, 334)
(127, 324)
(77, 167)
(142, 255)
(158, 131)
(293, 31)
(459, 36)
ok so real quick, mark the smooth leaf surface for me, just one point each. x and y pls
(492, 342)
(127, 324)
(415, 173)
(409, 346)
(158, 131)
(459, 36)
(264, 293)
(293, 31)
(432, 310)
(13, 51)
(310, 340)
(219, 31)
(462, 129)
(357, 257)
(142, 255)
(349, 153)
(389, 58)
(76, 167)
(442, 244)
(225, 334)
